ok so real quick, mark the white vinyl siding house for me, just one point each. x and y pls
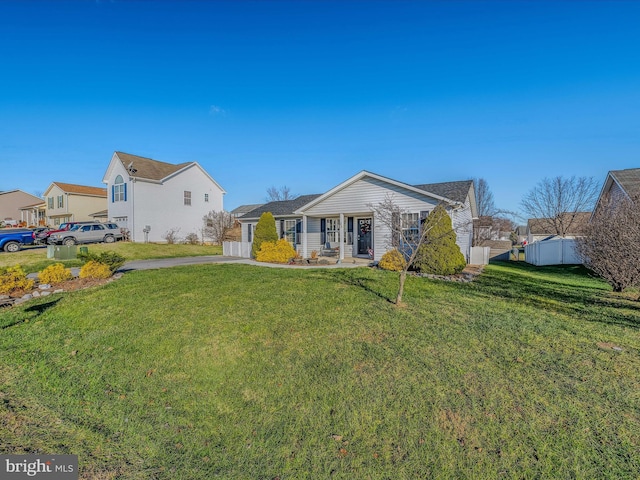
(149, 198)
(343, 218)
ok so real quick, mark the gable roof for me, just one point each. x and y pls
(74, 189)
(542, 226)
(281, 208)
(147, 168)
(456, 191)
(242, 209)
(629, 180)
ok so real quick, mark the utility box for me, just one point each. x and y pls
(64, 252)
(51, 251)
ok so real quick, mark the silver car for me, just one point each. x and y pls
(88, 233)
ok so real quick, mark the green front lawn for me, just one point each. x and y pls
(237, 371)
(34, 258)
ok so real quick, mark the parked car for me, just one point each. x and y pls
(87, 233)
(43, 237)
(12, 240)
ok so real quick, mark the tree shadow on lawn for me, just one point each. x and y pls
(354, 277)
(15, 317)
(570, 290)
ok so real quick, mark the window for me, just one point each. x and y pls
(411, 227)
(333, 233)
(332, 230)
(187, 197)
(60, 201)
(249, 233)
(206, 197)
(290, 231)
(119, 190)
(50, 202)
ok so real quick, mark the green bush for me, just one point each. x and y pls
(276, 252)
(54, 274)
(14, 278)
(112, 259)
(265, 232)
(392, 260)
(439, 255)
(93, 269)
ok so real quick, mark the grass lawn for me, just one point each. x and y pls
(243, 372)
(34, 259)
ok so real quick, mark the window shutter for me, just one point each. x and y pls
(323, 230)
(249, 231)
(349, 230)
(282, 229)
(125, 192)
(113, 193)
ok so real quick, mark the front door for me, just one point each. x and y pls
(364, 236)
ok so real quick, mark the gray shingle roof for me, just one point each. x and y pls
(628, 179)
(242, 209)
(456, 191)
(281, 208)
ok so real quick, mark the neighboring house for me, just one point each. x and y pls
(150, 198)
(542, 228)
(67, 202)
(242, 209)
(620, 184)
(34, 215)
(11, 202)
(343, 217)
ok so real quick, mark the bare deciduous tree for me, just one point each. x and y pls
(610, 245)
(484, 198)
(217, 224)
(406, 233)
(277, 194)
(556, 202)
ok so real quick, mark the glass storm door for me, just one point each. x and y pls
(364, 236)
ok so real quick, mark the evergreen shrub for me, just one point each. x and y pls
(393, 260)
(14, 278)
(55, 274)
(265, 232)
(93, 269)
(276, 252)
(439, 255)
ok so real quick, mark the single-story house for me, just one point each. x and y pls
(148, 198)
(344, 219)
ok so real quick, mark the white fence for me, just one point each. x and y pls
(236, 249)
(480, 255)
(552, 252)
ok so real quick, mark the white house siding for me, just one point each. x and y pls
(463, 225)
(161, 205)
(356, 201)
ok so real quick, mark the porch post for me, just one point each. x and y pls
(341, 233)
(304, 236)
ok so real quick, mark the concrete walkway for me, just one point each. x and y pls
(207, 259)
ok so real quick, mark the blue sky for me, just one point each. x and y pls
(308, 93)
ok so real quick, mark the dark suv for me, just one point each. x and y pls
(87, 233)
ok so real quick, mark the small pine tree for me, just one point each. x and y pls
(439, 255)
(265, 232)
